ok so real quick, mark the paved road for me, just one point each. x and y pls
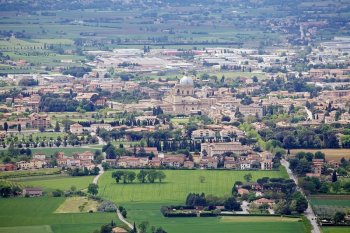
(99, 174)
(121, 218)
(309, 213)
(309, 114)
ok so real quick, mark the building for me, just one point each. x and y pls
(7, 167)
(211, 149)
(32, 192)
(94, 127)
(40, 120)
(266, 164)
(76, 128)
(201, 134)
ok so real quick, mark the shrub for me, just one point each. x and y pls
(107, 206)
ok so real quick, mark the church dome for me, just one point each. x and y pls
(186, 81)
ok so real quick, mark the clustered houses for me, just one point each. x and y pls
(79, 160)
(249, 161)
(318, 165)
(76, 129)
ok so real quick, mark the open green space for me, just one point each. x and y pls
(49, 183)
(38, 213)
(23, 173)
(336, 229)
(331, 200)
(331, 154)
(143, 201)
(177, 185)
(77, 205)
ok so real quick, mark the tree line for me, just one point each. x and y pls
(143, 176)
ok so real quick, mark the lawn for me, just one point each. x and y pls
(331, 154)
(331, 200)
(336, 229)
(49, 183)
(143, 201)
(39, 212)
(177, 185)
(77, 205)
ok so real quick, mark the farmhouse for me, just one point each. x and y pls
(32, 192)
(76, 128)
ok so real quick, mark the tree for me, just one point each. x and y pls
(336, 186)
(117, 175)
(232, 204)
(57, 127)
(142, 176)
(143, 226)
(334, 176)
(131, 176)
(202, 179)
(339, 217)
(19, 128)
(106, 228)
(93, 189)
(248, 177)
(161, 176)
(6, 126)
(301, 202)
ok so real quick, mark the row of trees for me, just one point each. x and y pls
(143, 176)
(195, 199)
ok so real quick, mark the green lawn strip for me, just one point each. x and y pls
(27, 229)
(58, 182)
(17, 212)
(336, 229)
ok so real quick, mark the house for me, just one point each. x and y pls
(24, 165)
(173, 161)
(242, 191)
(230, 163)
(94, 127)
(201, 134)
(7, 167)
(263, 200)
(87, 155)
(208, 163)
(32, 192)
(119, 230)
(188, 164)
(266, 164)
(245, 165)
(39, 156)
(40, 120)
(76, 128)
(155, 162)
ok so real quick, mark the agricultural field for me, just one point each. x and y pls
(22, 173)
(143, 201)
(336, 229)
(50, 183)
(14, 214)
(67, 151)
(177, 185)
(325, 206)
(77, 205)
(331, 154)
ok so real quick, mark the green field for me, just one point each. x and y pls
(329, 200)
(23, 215)
(49, 183)
(143, 201)
(177, 185)
(336, 229)
(22, 173)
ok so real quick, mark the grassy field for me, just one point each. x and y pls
(49, 183)
(39, 172)
(336, 229)
(331, 154)
(77, 205)
(67, 151)
(37, 215)
(143, 201)
(331, 200)
(177, 185)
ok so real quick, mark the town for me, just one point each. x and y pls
(152, 116)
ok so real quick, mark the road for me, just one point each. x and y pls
(309, 114)
(95, 180)
(309, 213)
(121, 218)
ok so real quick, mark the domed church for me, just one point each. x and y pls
(182, 99)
